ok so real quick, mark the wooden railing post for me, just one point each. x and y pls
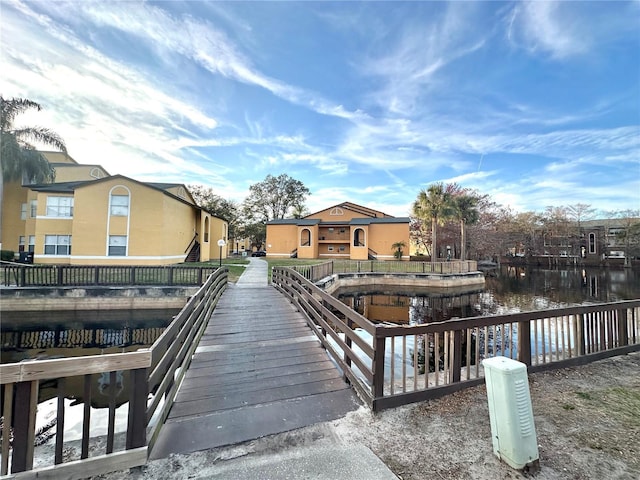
(23, 276)
(137, 423)
(96, 275)
(524, 342)
(580, 335)
(24, 425)
(623, 328)
(378, 365)
(456, 364)
(349, 342)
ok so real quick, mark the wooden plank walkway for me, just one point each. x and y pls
(258, 370)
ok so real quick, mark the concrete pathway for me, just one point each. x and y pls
(255, 274)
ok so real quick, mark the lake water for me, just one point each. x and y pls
(507, 290)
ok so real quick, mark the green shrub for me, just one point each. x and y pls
(7, 255)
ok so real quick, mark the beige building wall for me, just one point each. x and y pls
(383, 236)
(12, 224)
(68, 170)
(282, 240)
(344, 231)
(219, 231)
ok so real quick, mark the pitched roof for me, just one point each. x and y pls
(70, 187)
(301, 222)
(369, 212)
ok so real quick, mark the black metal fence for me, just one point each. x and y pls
(100, 275)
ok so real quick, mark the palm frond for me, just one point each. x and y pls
(26, 136)
(11, 108)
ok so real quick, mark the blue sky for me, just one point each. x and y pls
(536, 104)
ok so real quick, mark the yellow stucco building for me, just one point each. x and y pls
(346, 231)
(88, 217)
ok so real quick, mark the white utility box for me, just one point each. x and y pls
(513, 432)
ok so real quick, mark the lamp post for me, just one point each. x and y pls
(221, 243)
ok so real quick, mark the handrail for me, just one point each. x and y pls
(193, 240)
(156, 370)
(399, 364)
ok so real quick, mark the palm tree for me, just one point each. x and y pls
(463, 209)
(398, 246)
(18, 156)
(433, 203)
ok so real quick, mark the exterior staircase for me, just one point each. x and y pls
(194, 253)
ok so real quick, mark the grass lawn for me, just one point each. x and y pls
(234, 264)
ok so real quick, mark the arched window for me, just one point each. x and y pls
(305, 237)
(119, 201)
(336, 211)
(359, 238)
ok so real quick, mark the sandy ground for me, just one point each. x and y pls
(587, 421)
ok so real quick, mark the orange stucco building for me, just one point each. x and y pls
(346, 231)
(88, 217)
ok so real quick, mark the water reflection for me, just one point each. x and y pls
(59, 334)
(507, 290)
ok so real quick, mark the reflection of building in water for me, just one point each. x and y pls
(384, 308)
(404, 306)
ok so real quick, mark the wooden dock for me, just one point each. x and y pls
(258, 370)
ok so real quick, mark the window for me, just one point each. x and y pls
(21, 243)
(592, 243)
(57, 244)
(59, 206)
(120, 205)
(34, 209)
(32, 243)
(96, 173)
(23, 211)
(117, 245)
(330, 248)
(305, 237)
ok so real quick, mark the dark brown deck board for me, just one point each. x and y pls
(255, 376)
(258, 370)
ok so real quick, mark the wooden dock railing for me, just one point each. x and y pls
(391, 365)
(152, 374)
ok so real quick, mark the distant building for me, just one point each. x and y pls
(90, 217)
(346, 231)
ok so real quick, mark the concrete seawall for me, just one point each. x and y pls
(417, 280)
(93, 298)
